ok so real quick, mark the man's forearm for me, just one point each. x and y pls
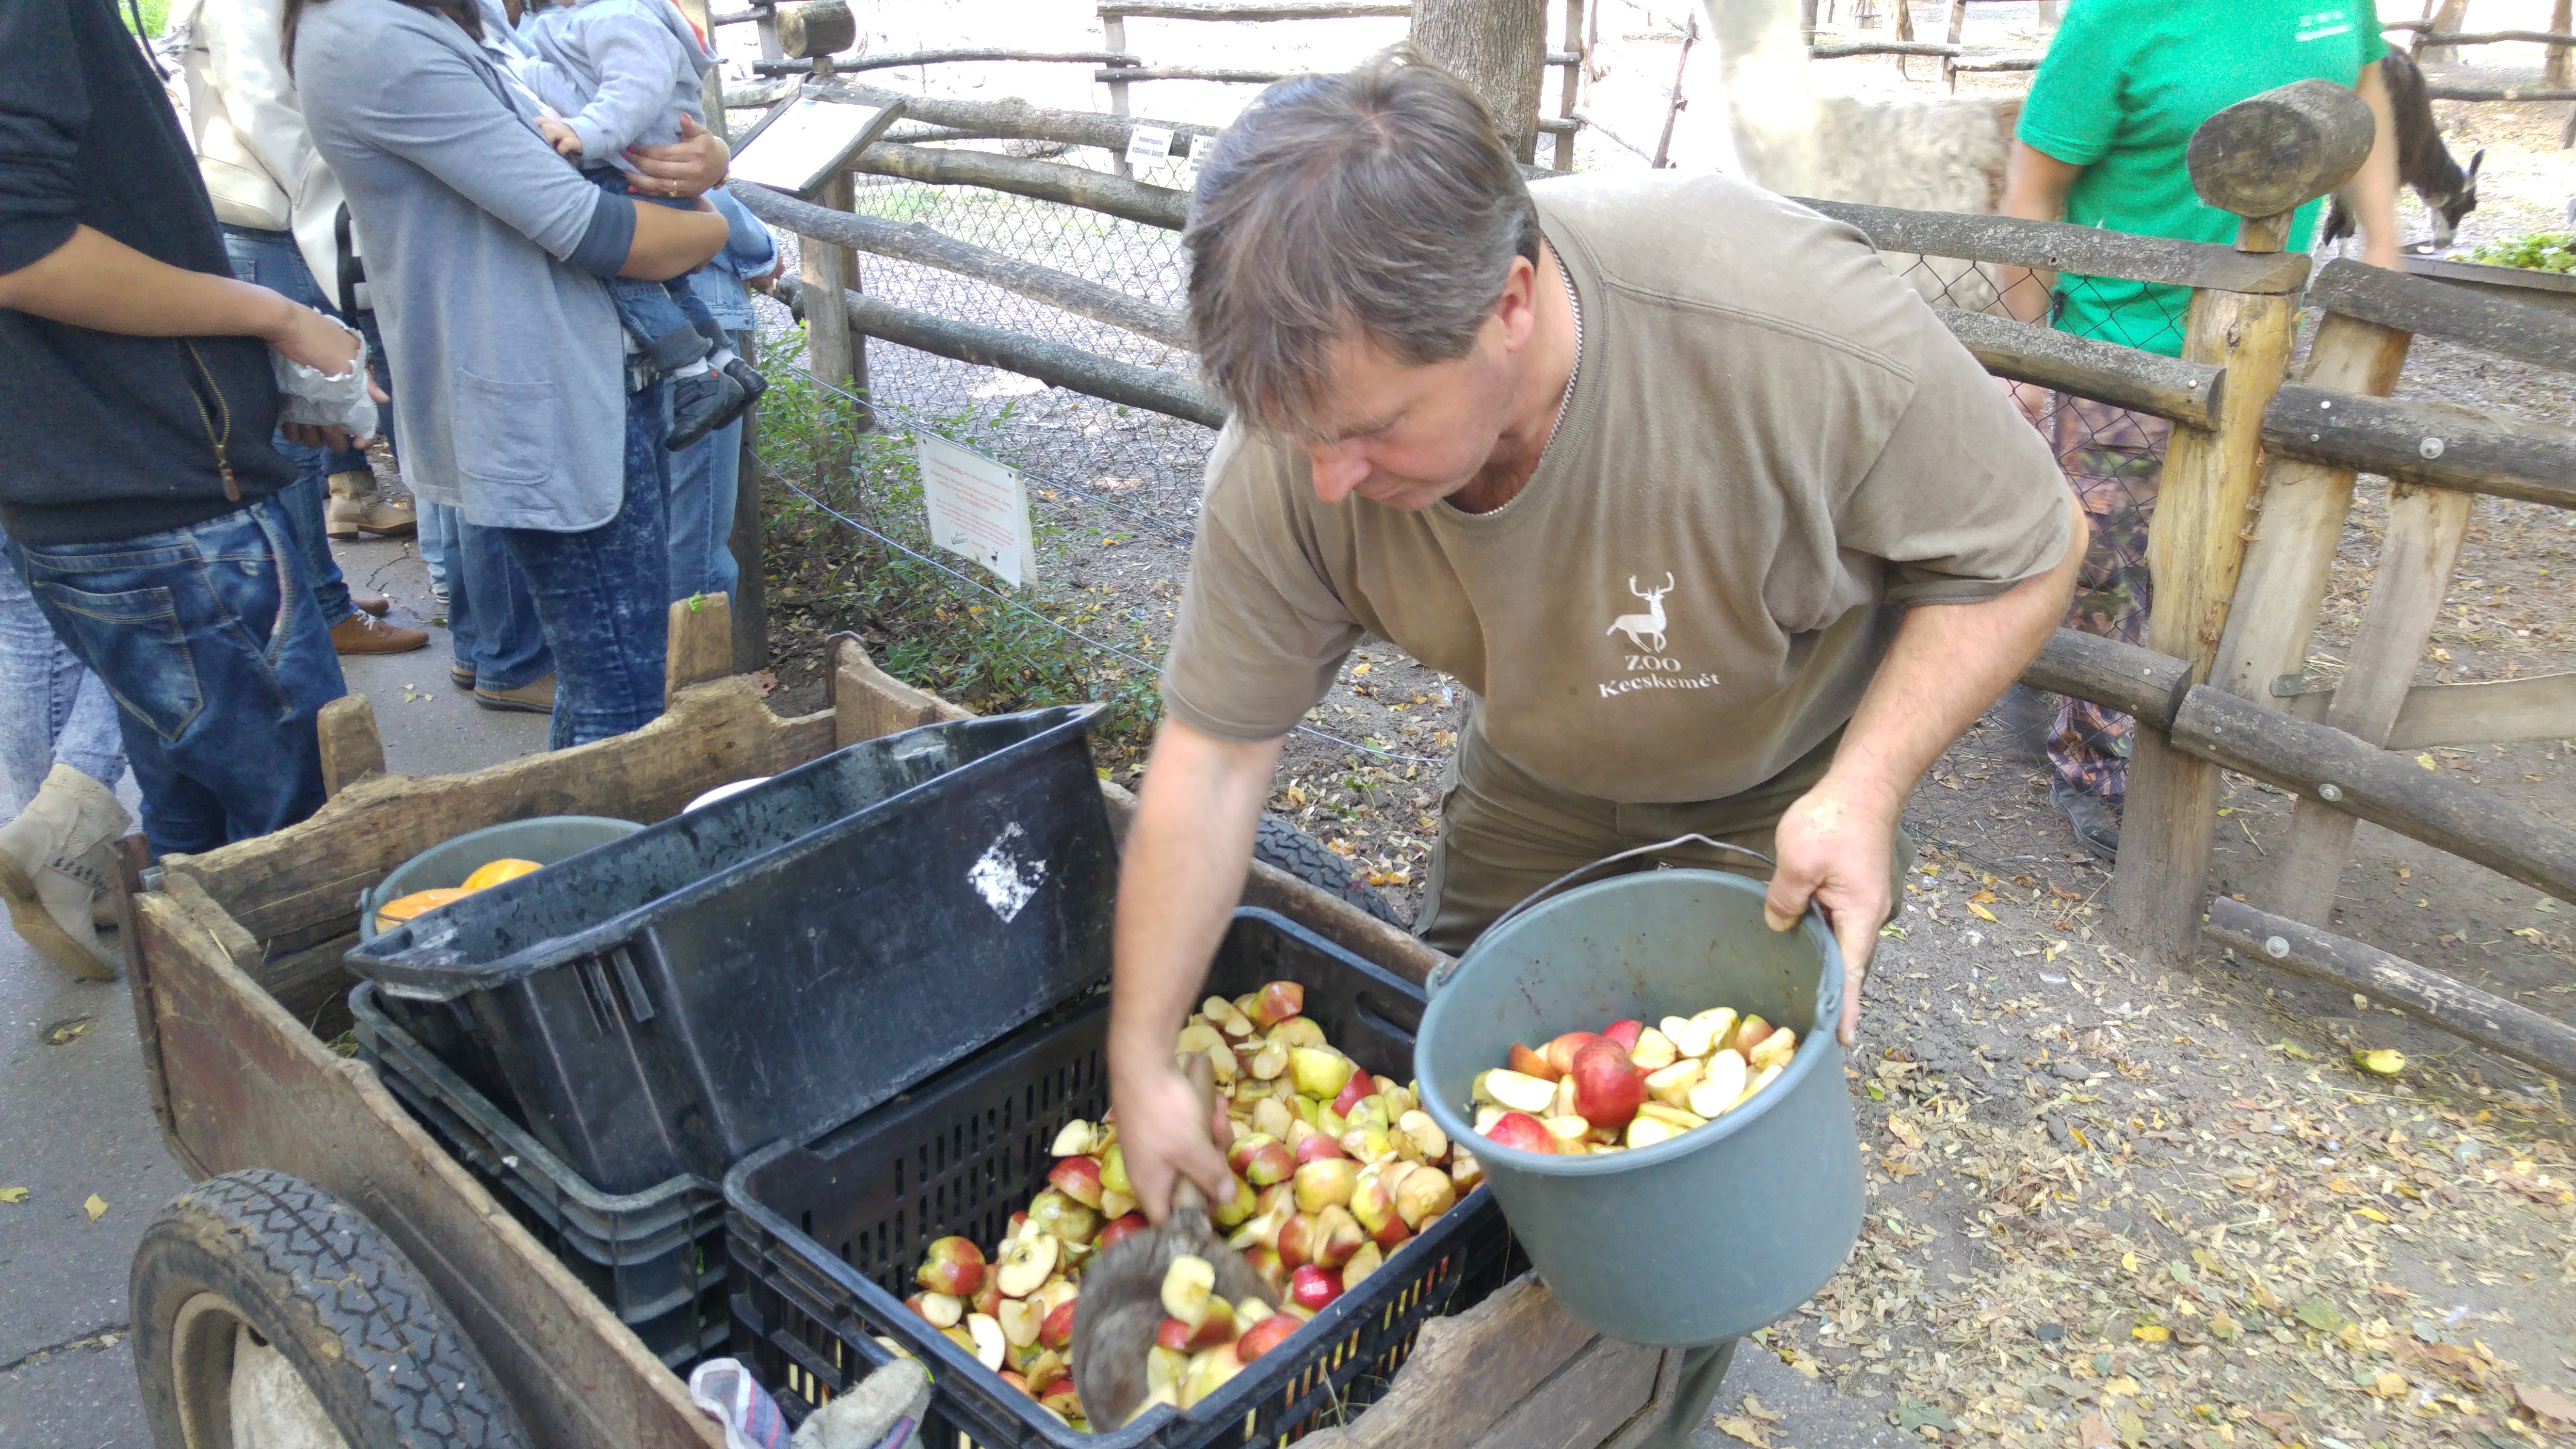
(1181, 873)
(97, 282)
(1949, 662)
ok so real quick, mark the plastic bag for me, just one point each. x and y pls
(305, 395)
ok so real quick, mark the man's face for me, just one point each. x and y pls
(1408, 435)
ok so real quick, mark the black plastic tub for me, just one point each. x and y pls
(654, 1258)
(825, 1235)
(780, 960)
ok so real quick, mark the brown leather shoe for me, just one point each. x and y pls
(344, 519)
(376, 604)
(537, 696)
(367, 634)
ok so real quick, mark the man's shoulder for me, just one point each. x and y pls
(1678, 250)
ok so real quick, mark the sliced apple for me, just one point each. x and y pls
(1056, 1329)
(1320, 1072)
(1654, 1051)
(1027, 1266)
(1076, 1138)
(1419, 1138)
(1719, 1022)
(1264, 1336)
(1516, 1091)
(1675, 1117)
(1672, 1085)
(1647, 1131)
(1465, 1172)
(1761, 1079)
(989, 1343)
(1187, 1286)
(1276, 1002)
(1422, 1195)
(1774, 1050)
(1523, 1131)
(940, 1310)
(1720, 1088)
(1530, 1064)
(1748, 1034)
(1208, 1372)
(1020, 1319)
(1116, 1205)
(1367, 1260)
(1077, 1178)
(1297, 1031)
(952, 1265)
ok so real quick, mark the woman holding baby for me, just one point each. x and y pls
(490, 260)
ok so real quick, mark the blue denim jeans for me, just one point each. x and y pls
(705, 477)
(653, 310)
(491, 617)
(52, 709)
(601, 594)
(271, 259)
(209, 640)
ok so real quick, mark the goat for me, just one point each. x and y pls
(2424, 164)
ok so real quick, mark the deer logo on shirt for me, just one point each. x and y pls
(1645, 630)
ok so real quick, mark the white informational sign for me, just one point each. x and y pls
(1148, 145)
(978, 509)
(803, 147)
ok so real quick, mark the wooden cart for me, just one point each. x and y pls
(235, 966)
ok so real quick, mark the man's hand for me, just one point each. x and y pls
(565, 140)
(1833, 850)
(690, 166)
(1166, 1131)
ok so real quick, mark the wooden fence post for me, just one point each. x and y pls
(2416, 555)
(1572, 89)
(2259, 159)
(1113, 36)
(833, 352)
(2283, 584)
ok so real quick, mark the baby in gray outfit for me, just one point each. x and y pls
(623, 73)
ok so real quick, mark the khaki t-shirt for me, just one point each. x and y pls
(1771, 443)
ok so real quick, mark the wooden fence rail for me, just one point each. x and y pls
(915, 242)
(2491, 1021)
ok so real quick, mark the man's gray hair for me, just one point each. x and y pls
(1381, 204)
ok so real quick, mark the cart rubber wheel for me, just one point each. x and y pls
(1280, 843)
(270, 1315)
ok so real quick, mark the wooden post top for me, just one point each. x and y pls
(816, 29)
(2265, 157)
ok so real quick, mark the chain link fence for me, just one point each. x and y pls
(2114, 459)
(1111, 465)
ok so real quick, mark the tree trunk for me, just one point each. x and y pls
(2562, 16)
(2452, 15)
(1499, 48)
(2048, 17)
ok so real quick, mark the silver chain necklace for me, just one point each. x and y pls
(1565, 404)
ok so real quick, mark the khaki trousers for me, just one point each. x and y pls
(1504, 834)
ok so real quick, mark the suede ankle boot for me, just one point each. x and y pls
(52, 870)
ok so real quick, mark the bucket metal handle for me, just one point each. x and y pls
(1439, 976)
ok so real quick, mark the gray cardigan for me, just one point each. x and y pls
(485, 252)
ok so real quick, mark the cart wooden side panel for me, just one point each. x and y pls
(248, 1086)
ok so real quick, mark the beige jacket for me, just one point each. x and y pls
(248, 131)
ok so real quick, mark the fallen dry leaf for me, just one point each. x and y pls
(2094, 1432)
(96, 1207)
(68, 1031)
(13, 1194)
(1745, 1430)
(2542, 1401)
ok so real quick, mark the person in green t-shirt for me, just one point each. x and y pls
(2101, 143)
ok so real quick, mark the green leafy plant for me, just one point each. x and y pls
(987, 649)
(2541, 251)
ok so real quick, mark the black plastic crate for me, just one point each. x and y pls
(654, 1258)
(776, 962)
(825, 1236)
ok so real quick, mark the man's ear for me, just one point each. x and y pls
(1517, 308)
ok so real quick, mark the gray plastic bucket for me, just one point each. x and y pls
(544, 839)
(1706, 1236)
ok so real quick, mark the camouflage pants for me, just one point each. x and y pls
(2113, 459)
